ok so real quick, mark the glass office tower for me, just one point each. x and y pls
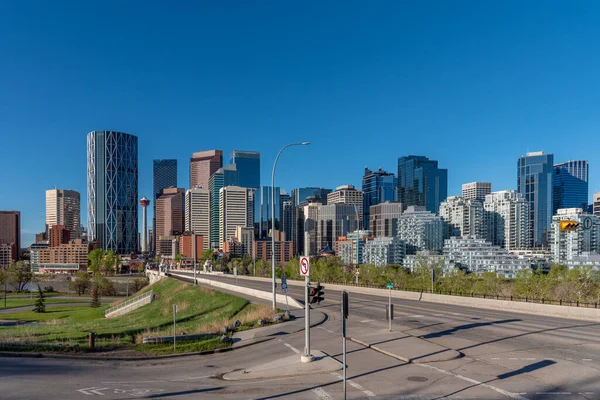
(112, 190)
(263, 216)
(534, 182)
(421, 183)
(247, 164)
(570, 185)
(378, 186)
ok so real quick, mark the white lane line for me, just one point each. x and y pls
(496, 358)
(558, 393)
(513, 358)
(586, 359)
(485, 385)
(367, 320)
(295, 350)
(415, 316)
(325, 329)
(528, 359)
(322, 394)
(586, 393)
(438, 315)
(354, 385)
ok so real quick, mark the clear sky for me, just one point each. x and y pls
(473, 84)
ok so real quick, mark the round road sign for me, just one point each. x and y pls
(304, 266)
(587, 223)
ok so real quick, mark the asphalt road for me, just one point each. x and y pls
(507, 355)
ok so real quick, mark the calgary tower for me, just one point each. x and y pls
(144, 202)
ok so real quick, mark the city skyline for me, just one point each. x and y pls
(474, 94)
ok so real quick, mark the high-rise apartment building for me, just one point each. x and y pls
(384, 218)
(10, 232)
(476, 190)
(534, 181)
(570, 185)
(596, 204)
(308, 226)
(463, 217)
(63, 208)
(421, 230)
(170, 212)
(377, 186)
(197, 213)
(350, 247)
(300, 197)
(235, 209)
(384, 251)
(567, 245)
(507, 220)
(334, 220)
(421, 182)
(203, 165)
(348, 194)
(112, 190)
(247, 164)
(263, 214)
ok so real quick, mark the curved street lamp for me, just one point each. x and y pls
(273, 218)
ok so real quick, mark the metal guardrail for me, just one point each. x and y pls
(129, 302)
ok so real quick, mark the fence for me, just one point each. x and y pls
(129, 302)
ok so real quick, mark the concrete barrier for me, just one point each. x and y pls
(550, 310)
(248, 291)
(130, 305)
(154, 276)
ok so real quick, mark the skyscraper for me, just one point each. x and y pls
(112, 190)
(170, 214)
(10, 232)
(384, 218)
(570, 185)
(203, 165)
(335, 220)
(348, 194)
(421, 182)
(534, 181)
(507, 220)
(476, 190)
(298, 197)
(263, 217)
(566, 245)
(235, 209)
(463, 217)
(164, 175)
(197, 213)
(247, 164)
(377, 186)
(63, 208)
(226, 176)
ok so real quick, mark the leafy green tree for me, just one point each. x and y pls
(40, 303)
(487, 284)
(109, 263)
(80, 283)
(95, 295)
(158, 258)
(19, 275)
(456, 281)
(96, 259)
(178, 259)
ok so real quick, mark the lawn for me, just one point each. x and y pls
(200, 310)
(22, 302)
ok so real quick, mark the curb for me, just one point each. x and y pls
(402, 358)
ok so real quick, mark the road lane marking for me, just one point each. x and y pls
(485, 385)
(586, 359)
(557, 393)
(354, 385)
(322, 394)
(325, 329)
(295, 350)
(367, 320)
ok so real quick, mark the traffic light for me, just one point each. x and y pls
(317, 294)
(568, 225)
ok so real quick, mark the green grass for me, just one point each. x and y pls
(14, 303)
(200, 311)
(182, 347)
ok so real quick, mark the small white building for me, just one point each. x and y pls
(384, 251)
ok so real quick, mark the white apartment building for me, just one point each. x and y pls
(507, 220)
(235, 209)
(197, 213)
(311, 213)
(421, 230)
(463, 217)
(383, 218)
(596, 206)
(585, 260)
(347, 194)
(429, 259)
(63, 208)
(350, 249)
(479, 256)
(476, 190)
(384, 251)
(566, 245)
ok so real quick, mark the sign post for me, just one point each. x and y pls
(284, 288)
(235, 274)
(174, 325)
(390, 310)
(345, 309)
(305, 271)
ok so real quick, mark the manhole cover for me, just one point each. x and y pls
(417, 379)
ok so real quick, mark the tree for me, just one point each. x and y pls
(178, 259)
(40, 303)
(19, 275)
(95, 295)
(96, 259)
(81, 283)
(158, 258)
(109, 263)
(139, 283)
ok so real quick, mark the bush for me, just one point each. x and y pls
(49, 289)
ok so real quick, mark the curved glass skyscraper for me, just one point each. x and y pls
(112, 190)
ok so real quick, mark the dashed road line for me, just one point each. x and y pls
(367, 320)
(321, 394)
(325, 329)
(295, 350)
(557, 393)
(415, 316)
(485, 385)
(586, 359)
(355, 385)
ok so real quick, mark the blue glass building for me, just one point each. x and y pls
(247, 164)
(164, 175)
(378, 186)
(421, 183)
(534, 182)
(112, 190)
(570, 185)
(263, 217)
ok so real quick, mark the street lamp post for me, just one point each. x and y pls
(273, 218)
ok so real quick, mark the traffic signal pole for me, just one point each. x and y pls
(306, 357)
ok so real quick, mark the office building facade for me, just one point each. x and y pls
(300, 197)
(348, 194)
(476, 190)
(197, 213)
(236, 206)
(335, 220)
(10, 232)
(534, 182)
(203, 165)
(264, 221)
(170, 212)
(421, 183)
(570, 185)
(164, 175)
(382, 251)
(463, 217)
(63, 208)
(247, 164)
(350, 247)
(383, 218)
(377, 186)
(507, 220)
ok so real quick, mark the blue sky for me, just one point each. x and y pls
(473, 84)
